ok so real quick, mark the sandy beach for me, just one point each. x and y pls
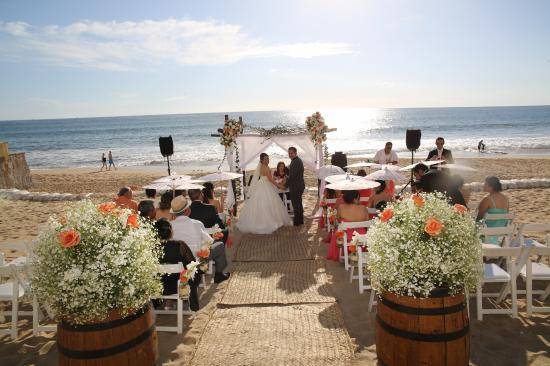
(498, 340)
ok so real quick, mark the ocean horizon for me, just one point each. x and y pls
(79, 142)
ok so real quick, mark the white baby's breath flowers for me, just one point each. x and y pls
(403, 258)
(113, 267)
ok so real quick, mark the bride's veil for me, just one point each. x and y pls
(254, 182)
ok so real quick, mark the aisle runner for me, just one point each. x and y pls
(254, 323)
(287, 244)
(278, 283)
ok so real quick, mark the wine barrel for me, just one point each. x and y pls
(431, 331)
(117, 341)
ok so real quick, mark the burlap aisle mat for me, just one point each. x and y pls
(286, 244)
(294, 282)
(312, 334)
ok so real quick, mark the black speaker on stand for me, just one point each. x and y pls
(413, 143)
(166, 149)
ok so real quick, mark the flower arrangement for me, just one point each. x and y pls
(95, 259)
(231, 129)
(422, 243)
(186, 274)
(317, 128)
(217, 233)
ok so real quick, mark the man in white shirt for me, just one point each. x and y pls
(194, 234)
(386, 155)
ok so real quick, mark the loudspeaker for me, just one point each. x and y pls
(413, 139)
(339, 159)
(166, 146)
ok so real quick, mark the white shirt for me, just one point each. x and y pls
(382, 158)
(192, 232)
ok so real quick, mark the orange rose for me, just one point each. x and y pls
(460, 208)
(69, 238)
(352, 249)
(217, 235)
(203, 253)
(418, 200)
(339, 234)
(386, 215)
(433, 227)
(132, 220)
(107, 207)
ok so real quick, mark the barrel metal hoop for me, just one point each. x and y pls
(106, 352)
(422, 311)
(104, 326)
(423, 337)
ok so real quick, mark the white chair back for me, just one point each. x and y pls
(372, 211)
(331, 200)
(534, 228)
(171, 268)
(506, 216)
(504, 232)
(351, 225)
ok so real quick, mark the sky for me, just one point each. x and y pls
(71, 58)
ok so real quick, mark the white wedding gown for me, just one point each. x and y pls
(264, 211)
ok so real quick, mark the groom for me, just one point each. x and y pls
(296, 185)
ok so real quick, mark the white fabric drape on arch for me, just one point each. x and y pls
(251, 146)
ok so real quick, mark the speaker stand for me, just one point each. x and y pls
(168, 162)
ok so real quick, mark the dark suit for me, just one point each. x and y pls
(446, 155)
(206, 214)
(296, 186)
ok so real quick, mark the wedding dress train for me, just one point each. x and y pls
(264, 211)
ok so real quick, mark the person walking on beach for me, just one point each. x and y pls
(103, 162)
(111, 162)
(481, 146)
(296, 185)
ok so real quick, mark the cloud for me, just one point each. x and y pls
(141, 45)
(176, 98)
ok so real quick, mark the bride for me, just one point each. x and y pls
(263, 211)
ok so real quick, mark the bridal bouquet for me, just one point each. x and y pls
(317, 128)
(231, 129)
(95, 259)
(422, 243)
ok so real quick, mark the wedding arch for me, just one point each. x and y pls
(243, 148)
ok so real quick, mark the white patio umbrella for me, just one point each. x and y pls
(362, 164)
(386, 166)
(327, 170)
(386, 174)
(220, 176)
(427, 163)
(172, 186)
(459, 167)
(353, 184)
(173, 177)
(339, 177)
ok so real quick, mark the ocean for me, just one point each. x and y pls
(79, 142)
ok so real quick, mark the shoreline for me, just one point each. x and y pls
(197, 169)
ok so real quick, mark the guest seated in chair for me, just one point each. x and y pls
(208, 197)
(351, 210)
(381, 196)
(202, 212)
(175, 251)
(494, 203)
(124, 199)
(194, 234)
(163, 211)
(146, 209)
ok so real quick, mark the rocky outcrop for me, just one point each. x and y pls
(15, 173)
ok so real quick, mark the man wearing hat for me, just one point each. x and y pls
(194, 234)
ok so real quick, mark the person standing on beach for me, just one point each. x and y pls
(111, 162)
(103, 162)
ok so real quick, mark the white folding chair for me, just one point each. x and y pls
(364, 277)
(372, 211)
(510, 216)
(11, 291)
(492, 273)
(536, 271)
(179, 312)
(351, 225)
(504, 235)
(524, 239)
